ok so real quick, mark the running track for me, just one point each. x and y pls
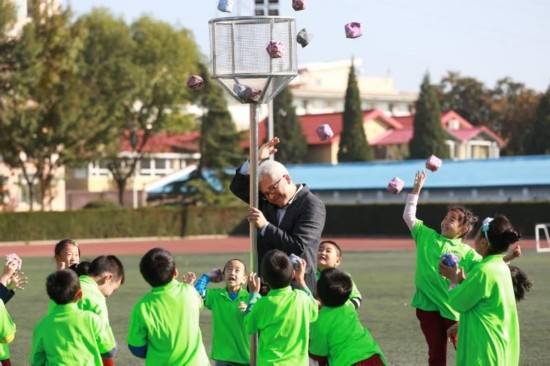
(232, 244)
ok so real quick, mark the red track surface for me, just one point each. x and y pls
(233, 244)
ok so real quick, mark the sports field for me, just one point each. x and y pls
(385, 279)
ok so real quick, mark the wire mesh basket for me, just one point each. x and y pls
(241, 59)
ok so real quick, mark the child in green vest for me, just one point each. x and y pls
(431, 298)
(10, 279)
(488, 334)
(164, 323)
(338, 335)
(329, 255)
(230, 343)
(104, 276)
(66, 254)
(68, 336)
(282, 317)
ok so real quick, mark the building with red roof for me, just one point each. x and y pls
(390, 136)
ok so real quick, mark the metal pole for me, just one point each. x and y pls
(270, 123)
(254, 200)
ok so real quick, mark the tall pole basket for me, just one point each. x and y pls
(253, 58)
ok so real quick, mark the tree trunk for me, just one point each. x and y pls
(31, 196)
(121, 186)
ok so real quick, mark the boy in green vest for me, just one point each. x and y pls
(338, 335)
(230, 343)
(104, 276)
(164, 323)
(283, 316)
(68, 336)
(329, 255)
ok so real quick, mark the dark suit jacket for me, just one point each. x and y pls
(300, 229)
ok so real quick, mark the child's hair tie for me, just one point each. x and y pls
(485, 227)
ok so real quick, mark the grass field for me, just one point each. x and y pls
(384, 278)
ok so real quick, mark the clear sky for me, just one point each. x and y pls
(487, 39)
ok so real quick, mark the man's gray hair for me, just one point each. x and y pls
(272, 169)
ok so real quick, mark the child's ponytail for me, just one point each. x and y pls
(501, 234)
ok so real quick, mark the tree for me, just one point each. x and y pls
(219, 143)
(42, 124)
(353, 143)
(219, 148)
(7, 16)
(466, 96)
(538, 141)
(142, 83)
(428, 135)
(513, 109)
(293, 146)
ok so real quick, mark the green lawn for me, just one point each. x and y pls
(385, 279)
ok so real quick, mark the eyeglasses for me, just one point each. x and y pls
(272, 188)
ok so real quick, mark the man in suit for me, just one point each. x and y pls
(289, 218)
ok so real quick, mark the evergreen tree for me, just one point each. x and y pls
(353, 143)
(219, 143)
(219, 148)
(538, 140)
(428, 134)
(293, 146)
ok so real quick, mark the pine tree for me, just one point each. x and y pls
(293, 146)
(428, 134)
(219, 148)
(219, 144)
(538, 140)
(353, 143)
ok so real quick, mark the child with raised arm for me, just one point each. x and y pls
(282, 317)
(164, 323)
(68, 336)
(488, 334)
(431, 298)
(329, 255)
(338, 335)
(10, 279)
(230, 343)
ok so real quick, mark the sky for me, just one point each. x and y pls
(485, 39)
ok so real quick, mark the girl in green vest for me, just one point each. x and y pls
(489, 330)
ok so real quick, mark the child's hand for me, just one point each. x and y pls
(514, 251)
(254, 283)
(449, 272)
(419, 180)
(299, 273)
(190, 278)
(216, 275)
(17, 281)
(242, 306)
(9, 270)
(452, 330)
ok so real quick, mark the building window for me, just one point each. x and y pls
(273, 1)
(480, 152)
(273, 12)
(259, 2)
(259, 12)
(454, 124)
(99, 168)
